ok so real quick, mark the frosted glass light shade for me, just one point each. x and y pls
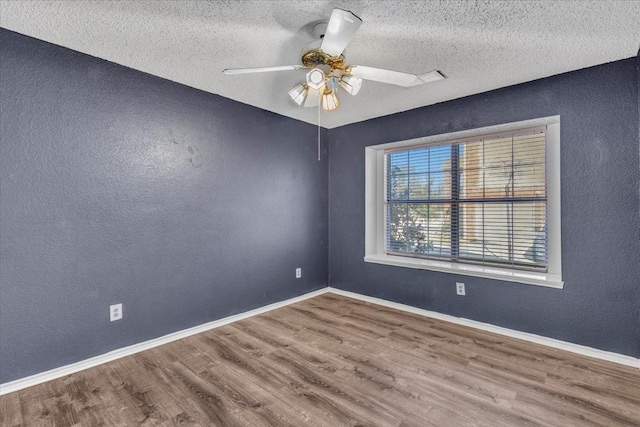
(329, 100)
(299, 94)
(351, 84)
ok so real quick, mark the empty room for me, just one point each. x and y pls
(323, 213)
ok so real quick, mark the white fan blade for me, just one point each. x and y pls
(231, 71)
(431, 76)
(340, 30)
(393, 77)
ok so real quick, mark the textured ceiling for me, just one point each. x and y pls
(478, 45)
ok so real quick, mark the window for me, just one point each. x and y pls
(478, 200)
(483, 202)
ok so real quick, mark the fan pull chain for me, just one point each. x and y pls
(318, 131)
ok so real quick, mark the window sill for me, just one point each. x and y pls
(508, 275)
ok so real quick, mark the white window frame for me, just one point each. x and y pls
(375, 236)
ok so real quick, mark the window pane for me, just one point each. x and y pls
(440, 158)
(529, 149)
(529, 181)
(396, 227)
(419, 174)
(439, 231)
(498, 153)
(471, 230)
(419, 160)
(417, 228)
(423, 228)
(509, 233)
(440, 185)
(497, 242)
(529, 233)
(471, 156)
(498, 183)
(472, 184)
(399, 162)
(398, 187)
(419, 186)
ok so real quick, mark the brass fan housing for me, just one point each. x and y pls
(316, 57)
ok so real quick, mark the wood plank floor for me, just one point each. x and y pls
(332, 361)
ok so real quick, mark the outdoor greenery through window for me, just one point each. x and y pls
(481, 200)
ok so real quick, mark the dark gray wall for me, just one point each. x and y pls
(600, 210)
(117, 186)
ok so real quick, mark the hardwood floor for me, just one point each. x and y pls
(331, 361)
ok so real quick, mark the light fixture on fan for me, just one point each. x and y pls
(328, 52)
(316, 79)
(324, 87)
(299, 93)
(329, 100)
(351, 84)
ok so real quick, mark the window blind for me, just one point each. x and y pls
(482, 200)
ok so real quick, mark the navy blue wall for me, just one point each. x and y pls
(117, 186)
(638, 112)
(600, 210)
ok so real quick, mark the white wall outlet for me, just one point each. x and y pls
(115, 312)
(298, 273)
(460, 289)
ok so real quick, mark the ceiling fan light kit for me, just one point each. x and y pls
(350, 84)
(316, 79)
(329, 100)
(299, 93)
(328, 70)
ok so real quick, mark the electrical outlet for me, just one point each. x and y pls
(115, 312)
(460, 289)
(298, 273)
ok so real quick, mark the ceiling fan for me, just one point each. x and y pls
(328, 70)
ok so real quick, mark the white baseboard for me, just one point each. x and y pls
(62, 371)
(538, 339)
